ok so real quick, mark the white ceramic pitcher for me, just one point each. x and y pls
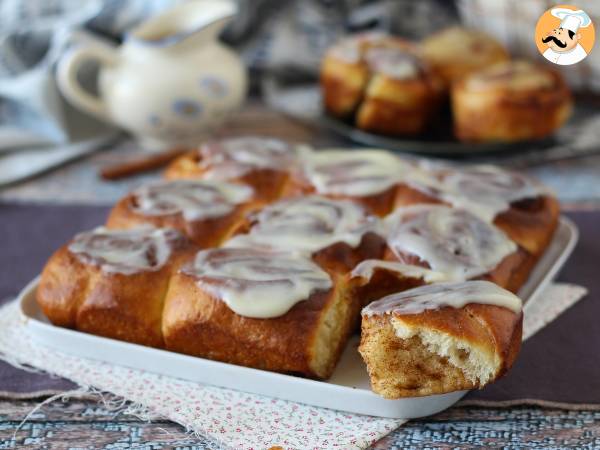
(170, 83)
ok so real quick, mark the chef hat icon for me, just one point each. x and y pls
(571, 20)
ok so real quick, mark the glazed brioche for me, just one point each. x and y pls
(208, 212)
(337, 234)
(370, 177)
(113, 282)
(259, 162)
(519, 205)
(440, 338)
(259, 308)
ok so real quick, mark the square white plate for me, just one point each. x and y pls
(347, 390)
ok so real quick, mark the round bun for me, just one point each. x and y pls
(511, 101)
(382, 83)
(456, 52)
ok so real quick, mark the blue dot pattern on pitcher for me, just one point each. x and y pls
(213, 86)
(187, 108)
(154, 120)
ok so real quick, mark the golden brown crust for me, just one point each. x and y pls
(505, 114)
(197, 323)
(343, 85)
(341, 258)
(399, 107)
(82, 296)
(210, 232)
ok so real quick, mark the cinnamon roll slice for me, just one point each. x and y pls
(206, 211)
(266, 309)
(337, 234)
(440, 338)
(262, 163)
(112, 283)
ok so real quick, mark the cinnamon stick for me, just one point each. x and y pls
(145, 164)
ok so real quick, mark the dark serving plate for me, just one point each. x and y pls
(439, 142)
(579, 137)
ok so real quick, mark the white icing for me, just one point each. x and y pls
(356, 172)
(393, 62)
(484, 190)
(258, 283)
(126, 251)
(195, 200)
(450, 240)
(231, 158)
(436, 296)
(366, 269)
(307, 224)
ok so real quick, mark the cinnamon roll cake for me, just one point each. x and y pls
(523, 208)
(262, 254)
(433, 243)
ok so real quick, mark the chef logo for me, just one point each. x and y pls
(564, 35)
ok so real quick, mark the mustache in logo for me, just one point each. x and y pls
(555, 40)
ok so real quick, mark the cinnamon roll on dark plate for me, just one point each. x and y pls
(513, 101)
(383, 82)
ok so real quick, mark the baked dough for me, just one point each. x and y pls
(457, 52)
(208, 212)
(440, 338)
(113, 282)
(262, 163)
(383, 82)
(512, 101)
(293, 317)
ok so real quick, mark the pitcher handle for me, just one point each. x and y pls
(68, 68)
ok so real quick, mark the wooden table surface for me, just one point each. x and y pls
(86, 423)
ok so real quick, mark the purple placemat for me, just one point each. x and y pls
(558, 366)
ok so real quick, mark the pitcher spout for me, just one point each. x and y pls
(191, 23)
